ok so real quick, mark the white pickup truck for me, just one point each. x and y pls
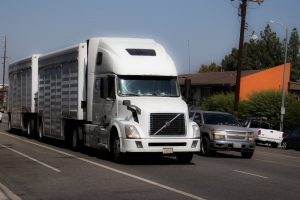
(263, 132)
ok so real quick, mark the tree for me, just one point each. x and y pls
(293, 54)
(213, 67)
(271, 48)
(262, 53)
(229, 62)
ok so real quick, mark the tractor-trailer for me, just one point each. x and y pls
(117, 94)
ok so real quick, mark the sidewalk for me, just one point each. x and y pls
(6, 194)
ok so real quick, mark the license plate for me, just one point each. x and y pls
(237, 145)
(168, 150)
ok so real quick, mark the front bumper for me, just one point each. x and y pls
(165, 146)
(232, 145)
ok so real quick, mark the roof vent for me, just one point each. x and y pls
(141, 52)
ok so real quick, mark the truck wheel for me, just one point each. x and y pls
(205, 148)
(76, 143)
(247, 154)
(184, 158)
(29, 129)
(41, 132)
(116, 153)
(274, 145)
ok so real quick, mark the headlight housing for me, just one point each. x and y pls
(131, 132)
(251, 137)
(196, 131)
(218, 135)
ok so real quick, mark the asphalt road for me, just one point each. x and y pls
(30, 169)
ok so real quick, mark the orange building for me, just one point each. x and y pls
(265, 80)
(209, 83)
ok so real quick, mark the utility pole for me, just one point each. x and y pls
(240, 57)
(243, 7)
(4, 64)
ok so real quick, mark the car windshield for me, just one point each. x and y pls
(220, 119)
(148, 86)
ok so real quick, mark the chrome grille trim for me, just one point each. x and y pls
(158, 120)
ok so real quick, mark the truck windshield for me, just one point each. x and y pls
(148, 86)
(220, 119)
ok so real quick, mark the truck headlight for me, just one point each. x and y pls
(131, 132)
(196, 131)
(218, 135)
(251, 137)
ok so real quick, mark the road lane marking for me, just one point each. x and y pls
(30, 158)
(113, 170)
(242, 172)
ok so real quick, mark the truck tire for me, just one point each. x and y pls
(205, 149)
(247, 154)
(116, 154)
(76, 144)
(30, 129)
(184, 158)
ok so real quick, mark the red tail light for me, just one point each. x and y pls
(259, 132)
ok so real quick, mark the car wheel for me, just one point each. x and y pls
(274, 145)
(184, 158)
(284, 145)
(247, 154)
(205, 147)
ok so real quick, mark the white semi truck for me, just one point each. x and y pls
(117, 94)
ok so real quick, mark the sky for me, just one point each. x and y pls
(193, 32)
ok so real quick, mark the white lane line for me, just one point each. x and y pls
(242, 172)
(30, 158)
(114, 170)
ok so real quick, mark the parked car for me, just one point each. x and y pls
(222, 131)
(263, 132)
(0, 116)
(292, 140)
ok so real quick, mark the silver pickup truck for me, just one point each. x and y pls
(222, 131)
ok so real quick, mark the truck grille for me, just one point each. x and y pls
(158, 120)
(236, 136)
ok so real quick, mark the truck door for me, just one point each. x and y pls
(104, 104)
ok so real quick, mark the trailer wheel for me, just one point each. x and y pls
(76, 143)
(41, 132)
(9, 125)
(29, 129)
(116, 153)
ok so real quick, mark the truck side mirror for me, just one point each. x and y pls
(187, 90)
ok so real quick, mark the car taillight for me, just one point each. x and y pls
(259, 132)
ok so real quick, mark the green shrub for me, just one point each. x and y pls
(260, 104)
